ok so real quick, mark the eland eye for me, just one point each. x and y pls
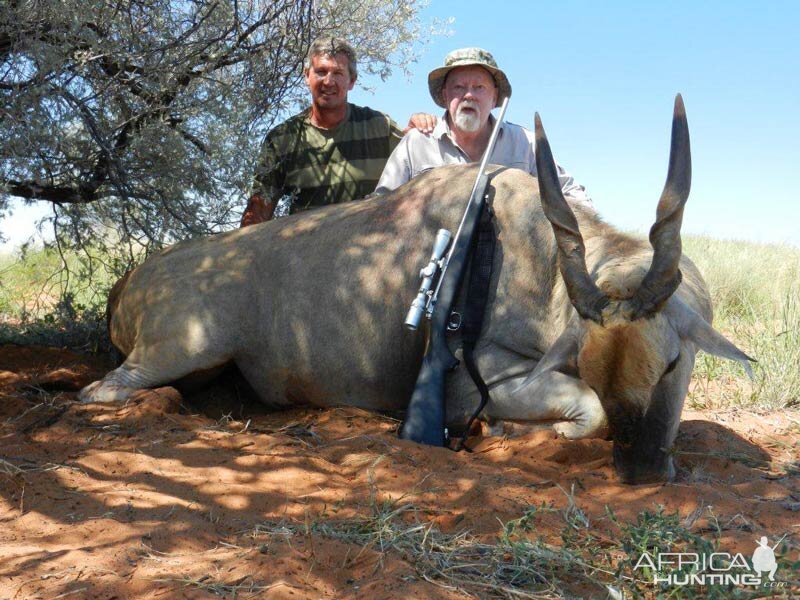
(672, 365)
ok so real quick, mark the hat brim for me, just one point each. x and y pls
(437, 77)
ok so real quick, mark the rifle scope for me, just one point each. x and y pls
(421, 304)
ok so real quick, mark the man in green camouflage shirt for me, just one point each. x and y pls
(331, 152)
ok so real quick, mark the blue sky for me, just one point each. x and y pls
(603, 76)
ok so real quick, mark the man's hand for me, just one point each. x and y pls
(423, 122)
(258, 210)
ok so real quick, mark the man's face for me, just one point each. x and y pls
(329, 80)
(470, 95)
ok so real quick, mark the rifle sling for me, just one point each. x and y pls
(480, 276)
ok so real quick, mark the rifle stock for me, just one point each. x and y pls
(425, 417)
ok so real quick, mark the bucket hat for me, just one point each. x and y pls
(464, 57)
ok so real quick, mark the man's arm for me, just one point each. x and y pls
(266, 187)
(573, 191)
(258, 210)
(398, 168)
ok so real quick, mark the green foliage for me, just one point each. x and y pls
(50, 299)
(141, 122)
(656, 532)
(68, 326)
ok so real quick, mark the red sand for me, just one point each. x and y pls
(100, 501)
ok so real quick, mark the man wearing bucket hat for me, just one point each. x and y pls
(468, 87)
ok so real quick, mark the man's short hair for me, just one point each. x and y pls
(331, 46)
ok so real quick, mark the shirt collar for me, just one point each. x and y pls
(347, 115)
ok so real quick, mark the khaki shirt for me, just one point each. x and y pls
(417, 153)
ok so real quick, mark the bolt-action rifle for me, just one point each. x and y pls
(425, 416)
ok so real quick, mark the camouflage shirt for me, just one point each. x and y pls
(307, 166)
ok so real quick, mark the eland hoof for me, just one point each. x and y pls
(104, 391)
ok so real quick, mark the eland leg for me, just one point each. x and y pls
(118, 385)
(550, 396)
(147, 369)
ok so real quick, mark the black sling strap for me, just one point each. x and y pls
(475, 309)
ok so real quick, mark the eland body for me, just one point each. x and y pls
(589, 330)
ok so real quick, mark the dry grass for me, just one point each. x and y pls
(587, 560)
(755, 290)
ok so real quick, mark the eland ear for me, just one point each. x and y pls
(695, 328)
(563, 354)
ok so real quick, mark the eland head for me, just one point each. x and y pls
(636, 343)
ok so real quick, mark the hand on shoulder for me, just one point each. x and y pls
(422, 122)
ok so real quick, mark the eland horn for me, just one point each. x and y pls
(584, 294)
(664, 275)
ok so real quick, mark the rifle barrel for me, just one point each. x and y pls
(487, 154)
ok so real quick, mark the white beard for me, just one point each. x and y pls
(468, 121)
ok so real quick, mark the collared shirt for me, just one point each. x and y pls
(515, 145)
(302, 166)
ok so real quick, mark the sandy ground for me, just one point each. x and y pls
(163, 499)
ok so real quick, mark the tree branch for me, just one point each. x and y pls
(54, 193)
